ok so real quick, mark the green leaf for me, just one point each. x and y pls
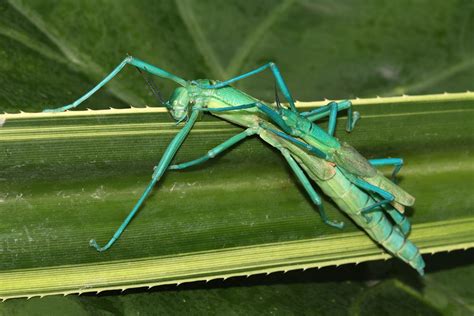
(67, 178)
(341, 291)
(74, 176)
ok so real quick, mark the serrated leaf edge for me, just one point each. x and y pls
(443, 97)
(432, 237)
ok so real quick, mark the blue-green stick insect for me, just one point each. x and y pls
(351, 199)
(348, 178)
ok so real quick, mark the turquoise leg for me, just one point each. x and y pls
(158, 173)
(131, 61)
(331, 110)
(216, 150)
(400, 220)
(297, 142)
(274, 116)
(387, 196)
(397, 162)
(332, 119)
(276, 73)
(307, 185)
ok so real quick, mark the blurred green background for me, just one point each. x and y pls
(52, 52)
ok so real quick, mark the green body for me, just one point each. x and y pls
(330, 177)
(344, 155)
(351, 200)
(337, 168)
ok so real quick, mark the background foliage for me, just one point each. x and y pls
(52, 52)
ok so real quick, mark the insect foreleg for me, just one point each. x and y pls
(331, 110)
(309, 189)
(276, 73)
(216, 150)
(397, 162)
(128, 60)
(159, 171)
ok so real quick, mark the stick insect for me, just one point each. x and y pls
(342, 173)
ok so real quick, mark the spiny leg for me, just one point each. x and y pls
(276, 73)
(331, 110)
(216, 150)
(157, 174)
(397, 162)
(128, 60)
(309, 189)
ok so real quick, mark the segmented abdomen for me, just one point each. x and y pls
(351, 200)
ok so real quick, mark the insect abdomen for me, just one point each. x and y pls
(351, 200)
(392, 239)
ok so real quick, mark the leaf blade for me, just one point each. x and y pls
(201, 211)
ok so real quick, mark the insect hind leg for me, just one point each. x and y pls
(309, 189)
(331, 110)
(398, 218)
(396, 162)
(387, 197)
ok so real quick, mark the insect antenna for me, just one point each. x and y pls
(154, 89)
(277, 99)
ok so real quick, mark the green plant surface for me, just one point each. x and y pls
(366, 289)
(74, 176)
(70, 177)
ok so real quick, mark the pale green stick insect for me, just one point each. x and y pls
(351, 199)
(359, 189)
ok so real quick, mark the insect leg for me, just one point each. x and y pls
(216, 150)
(400, 219)
(331, 109)
(128, 60)
(274, 116)
(158, 173)
(307, 185)
(295, 141)
(276, 73)
(397, 162)
(387, 196)
(332, 118)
